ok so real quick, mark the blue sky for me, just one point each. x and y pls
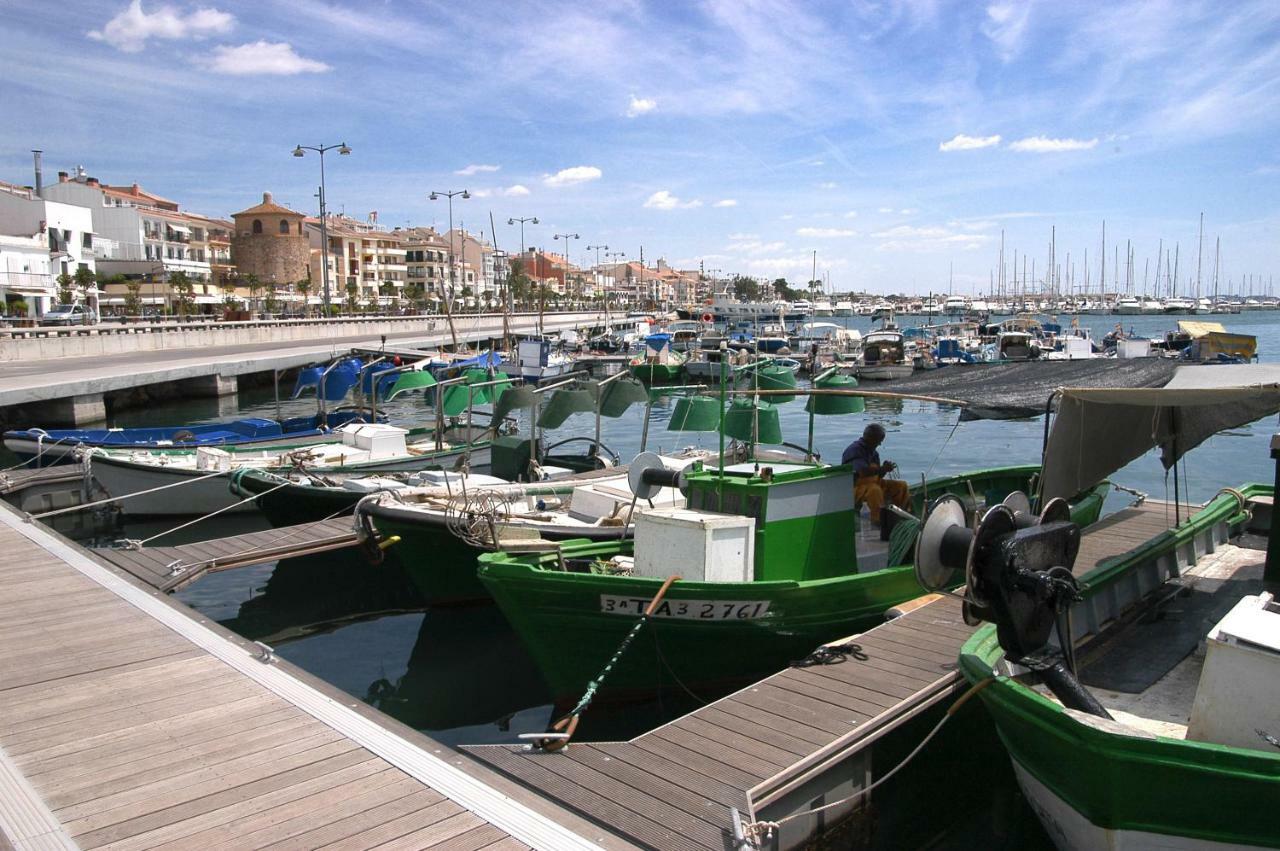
(895, 139)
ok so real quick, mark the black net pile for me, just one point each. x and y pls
(1005, 391)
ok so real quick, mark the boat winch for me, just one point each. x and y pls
(1017, 575)
(647, 475)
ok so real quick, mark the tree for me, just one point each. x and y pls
(133, 298)
(255, 286)
(353, 294)
(518, 283)
(272, 304)
(66, 288)
(228, 287)
(84, 278)
(304, 289)
(183, 286)
(745, 288)
(414, 292)
(783, 290)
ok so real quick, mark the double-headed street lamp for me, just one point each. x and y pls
(533, 220)
(299, 151)
(453, 260)
(566, 237)
(597, 249)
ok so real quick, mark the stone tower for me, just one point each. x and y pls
(271, 242)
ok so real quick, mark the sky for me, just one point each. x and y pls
(897, 140)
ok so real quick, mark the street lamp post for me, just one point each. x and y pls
(343, 150)
(533, 220)
(453, 261)
(597, 249)
(566, 237)
(617, 258)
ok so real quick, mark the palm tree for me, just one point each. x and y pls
(304, 288)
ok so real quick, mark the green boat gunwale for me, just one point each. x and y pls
(1132, 755)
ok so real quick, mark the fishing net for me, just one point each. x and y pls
(1002, 391)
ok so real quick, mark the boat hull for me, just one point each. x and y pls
(441, 565)
(195, 492)
(709, 634)
(1095, 785)
(656, 373)
(885, 372)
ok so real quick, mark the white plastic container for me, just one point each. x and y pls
(375, 438)
(699, 546)
(1239, 691)
(211, 459)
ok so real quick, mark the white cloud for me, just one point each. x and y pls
(516, 190)
(932, 238)
(1006, 24)
(262, 57)
(664, 200)
(726, 202)
(852, 214)
(509, 192)
(908, 211)
(754, 247)
(1045, 145)
(786, 217)
(817, 163)
(574, 175)
(640, 106)
(741, 237)
(827, 185)
(476, 169)
(961, 142)
(885, 210)
(130, 28)
(825, 233)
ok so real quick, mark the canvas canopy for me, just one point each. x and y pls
(1096, 431)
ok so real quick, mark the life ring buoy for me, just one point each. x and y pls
(707, 317)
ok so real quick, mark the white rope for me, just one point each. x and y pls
(85, 505)
(210, 514)
(758, 832)
(40, 452)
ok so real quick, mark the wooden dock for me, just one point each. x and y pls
(127, 721)
(171, 568)
(796, 740)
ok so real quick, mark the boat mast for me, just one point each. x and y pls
(1199, 253)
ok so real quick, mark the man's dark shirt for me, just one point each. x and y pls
(860, 455)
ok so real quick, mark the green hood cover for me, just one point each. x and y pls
(578, 399)
(513, 398)
(695, 413)
(455, 395)
(835, 405)
(620, 394)
(739, 418)
(418, 379)
(771, 378)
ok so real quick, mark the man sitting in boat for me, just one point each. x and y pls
(870, 486)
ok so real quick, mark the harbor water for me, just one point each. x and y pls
(462, 675)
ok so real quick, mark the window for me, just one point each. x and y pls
(284, 226)
(86, 240)
(257, 225)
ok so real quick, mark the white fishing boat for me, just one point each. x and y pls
(195, 482)
(538, 359)
(884, 356)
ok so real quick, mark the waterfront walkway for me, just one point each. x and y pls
(37, 377)
(127, 721)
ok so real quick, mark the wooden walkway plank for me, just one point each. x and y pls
(370, 817)
(455, 825)
(392, 830)
(473, 840)
(717, 792)
(173, 825)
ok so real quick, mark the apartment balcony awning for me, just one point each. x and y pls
(26, 289)
(179, 228)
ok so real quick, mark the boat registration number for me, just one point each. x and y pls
(696, 610)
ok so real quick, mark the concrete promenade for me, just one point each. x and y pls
(69, 389)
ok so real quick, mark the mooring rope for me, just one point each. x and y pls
(759, 832)
(569, 722)
(112, 499)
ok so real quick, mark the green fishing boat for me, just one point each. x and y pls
(1132, 737)
(773, 564)
(659, 363)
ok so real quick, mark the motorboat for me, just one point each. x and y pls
(539, 359)
(884, 355)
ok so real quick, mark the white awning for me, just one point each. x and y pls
(1097, 431)
(179, 228)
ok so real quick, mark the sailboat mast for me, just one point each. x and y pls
(1199, 253)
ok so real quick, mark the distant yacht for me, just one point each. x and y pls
(1127, 305)
(844, 308)
(956, 305)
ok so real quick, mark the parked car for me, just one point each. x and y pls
(69, 314)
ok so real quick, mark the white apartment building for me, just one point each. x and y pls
(477, 270)
(137, 234)
(427, 256)
(32, 226)
(363, 256)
